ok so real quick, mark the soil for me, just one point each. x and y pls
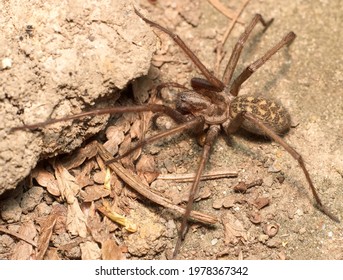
(306, 78)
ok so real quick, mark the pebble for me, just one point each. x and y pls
(11, 211)
(214, 241)
(31, 199)
(299, 212)
(263, 238)
(268, 181)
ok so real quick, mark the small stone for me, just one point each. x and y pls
(10, 210)
(275, 167)
(31, 199)
(263, 238)
(273, 243)
(6, 63)
(169, 164)
(268, 181)
(299, 212)
(255, 217)
(43, 209)
(214, 241)
(302, 230)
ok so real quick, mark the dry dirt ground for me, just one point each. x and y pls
(306, 78)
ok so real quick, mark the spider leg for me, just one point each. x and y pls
(196, 123)
(210, 138)
(249, 70)
(296, 156)
(160, 87)
(216, 83)
(156, 108)
(231, 66)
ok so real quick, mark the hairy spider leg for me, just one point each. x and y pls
(295, 155)
(155, 108)
(250, 69)
(236, 52)
(211, 136)
(197, 123)
(216, 83)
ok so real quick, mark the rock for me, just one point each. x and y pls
(31, 199)
(10, 210)
(66, 58)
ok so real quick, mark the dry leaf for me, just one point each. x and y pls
(90, 251)
(52, 254)
(135, 130)
(84, 179)
(115, 217)
(98, 229)
(93, 193)
(76, 220)
(46, 179)
(22, 250)
(45, 236)
(78, 157)
(234, 229)
(111, 251)
(47, 227)
(66, 183)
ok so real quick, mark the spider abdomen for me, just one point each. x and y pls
(273, 114)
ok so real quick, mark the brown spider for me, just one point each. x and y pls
(212, 106)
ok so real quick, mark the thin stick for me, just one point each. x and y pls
(227, 33)
(225, 11)
(18, 235)
(189, 177)
(136, 183)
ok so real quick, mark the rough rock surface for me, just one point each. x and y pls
(56, 59)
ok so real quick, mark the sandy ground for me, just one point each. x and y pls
(306, 78)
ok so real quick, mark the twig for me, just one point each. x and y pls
(227, 33)
(221, 8)
(189, 177)
(135, 182)
(19, 236)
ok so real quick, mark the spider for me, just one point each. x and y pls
(213, 106)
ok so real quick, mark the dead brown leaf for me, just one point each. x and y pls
(135, 131)
(115, 217)
(52, 254)
(66, 183)
(93, 193)
(22, 250)
(234, 229)
(111, 251)
(46, 179)
(98, 229)
(84, 178)
(90, 251)
(76, 220)
(146, 167)
(47, 227)
(78, 157)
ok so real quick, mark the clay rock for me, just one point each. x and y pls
(58, 58)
